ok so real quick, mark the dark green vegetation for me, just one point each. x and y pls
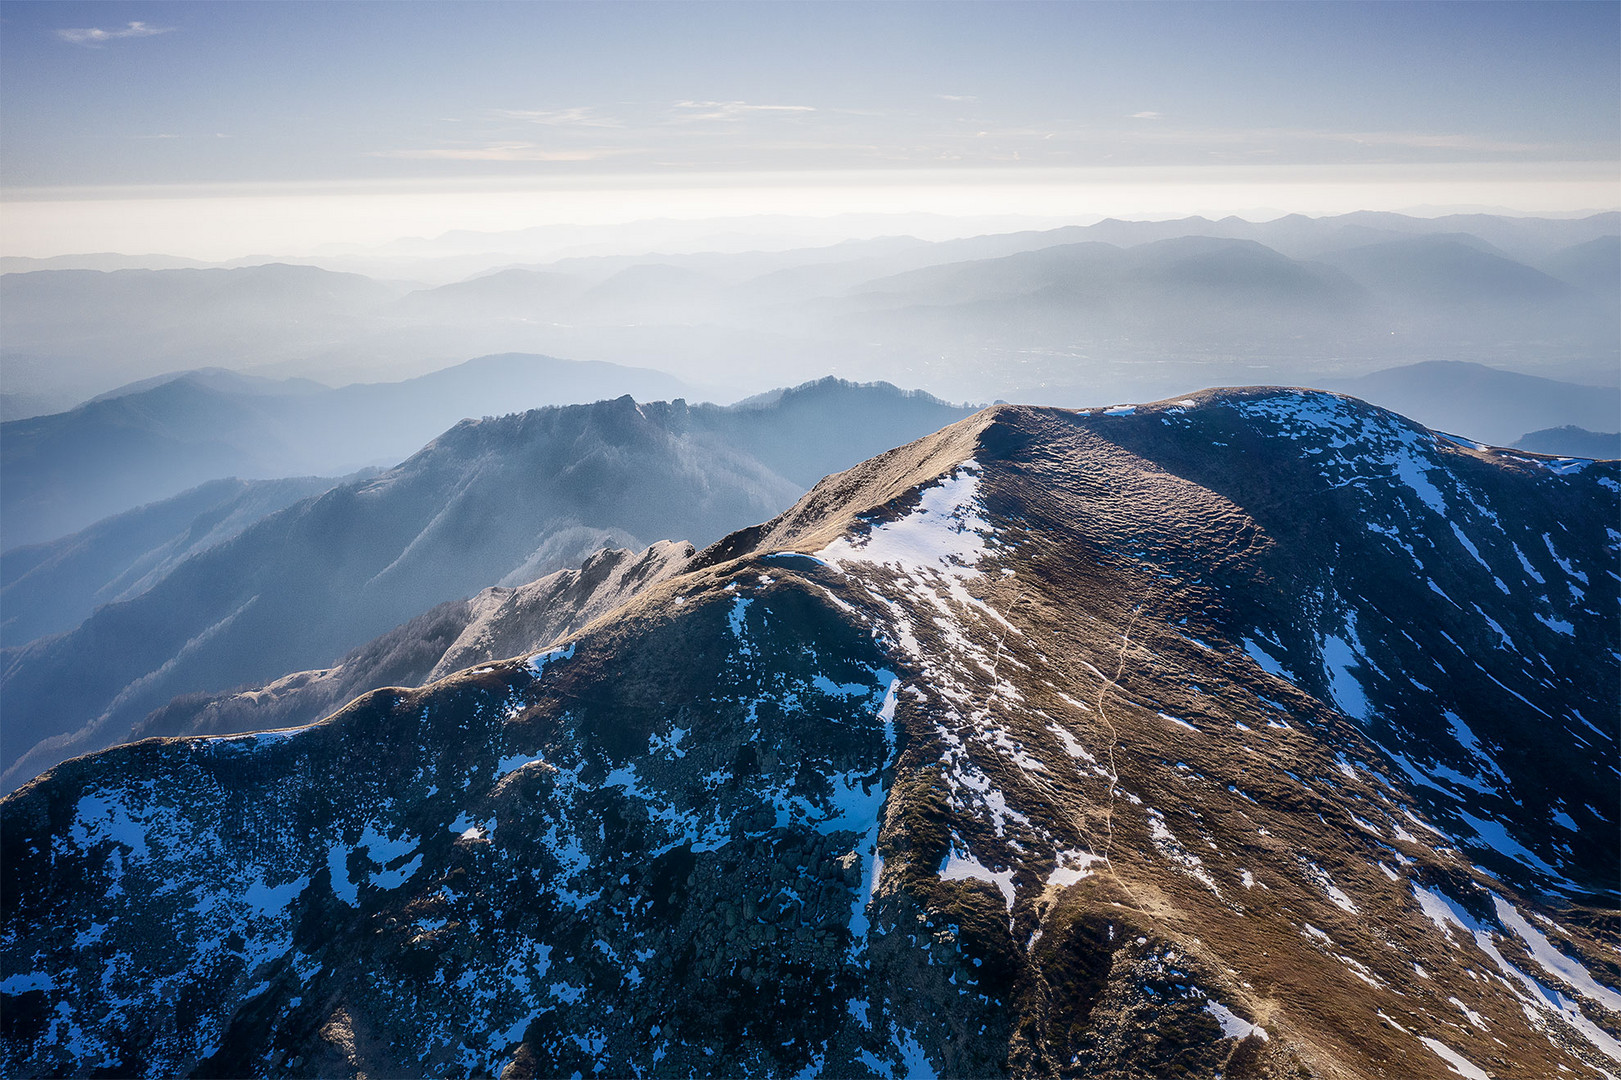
(1051, 744)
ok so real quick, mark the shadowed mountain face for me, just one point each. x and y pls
(1572, 441)
(500, 501)
(1257, 733)
(495, 624)
(51, 588)
(64, 472)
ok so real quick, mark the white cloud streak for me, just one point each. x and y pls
(225, 221)
(94, 37)
(505, 151)
(585, 117)
(1418, 140)
(688, 111)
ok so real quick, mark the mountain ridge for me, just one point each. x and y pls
(160, 436)
(496, 623)
(499, 501)
(50, 588)
(1054, 741)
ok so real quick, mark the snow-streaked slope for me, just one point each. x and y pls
(1055, 742)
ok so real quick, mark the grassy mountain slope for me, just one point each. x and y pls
(1255, 733)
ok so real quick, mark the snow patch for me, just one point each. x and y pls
(1178, 722)
(962, 866)
(538, 662)
(1073, 748)
(944, 532)
(1455, 1061)
(1265, 659)
(1072, 866)
(1339, 660)
(1232, 1025)
(1553, 961)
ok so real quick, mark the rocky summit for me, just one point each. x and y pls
(1259, 733)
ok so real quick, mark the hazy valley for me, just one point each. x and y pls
(1118, 310)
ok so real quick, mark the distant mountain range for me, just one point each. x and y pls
(1188, 288)
(495, 501)
(1118, 309)
(1254, 733)
(81, 328)
(1485, 403)
(159, 437)
(1572, 441)
(156, 438)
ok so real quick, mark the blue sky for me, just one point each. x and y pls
(283, 91)
(120, 94)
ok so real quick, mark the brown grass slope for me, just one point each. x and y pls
(1073, 735)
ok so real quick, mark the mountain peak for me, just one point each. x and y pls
(1182, 735)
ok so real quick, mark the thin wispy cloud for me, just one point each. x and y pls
(1147, 114)
(94, 36)
(688, 111)
(970, 98)
(1418, 140)
(504, 151)
(575, 117)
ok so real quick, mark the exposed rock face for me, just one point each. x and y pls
(1257, 734)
